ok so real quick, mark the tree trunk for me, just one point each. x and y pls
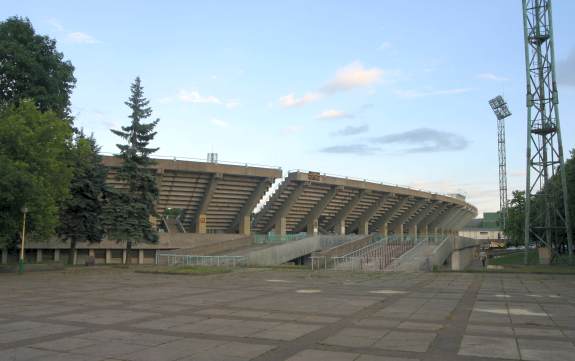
(128, 253)
(72, 251)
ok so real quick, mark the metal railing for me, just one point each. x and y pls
(192, 260)
(379, 255)
(204, 160)
(331, 240)
(277, 238)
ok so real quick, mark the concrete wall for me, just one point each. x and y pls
(461, 259)
(214, 248)
(346, 248)
(275, 255)
(423, 257)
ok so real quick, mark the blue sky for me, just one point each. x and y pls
(393, 91)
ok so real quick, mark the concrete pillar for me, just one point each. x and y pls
(424, 231)
(124, 256)
(412, 231)
(364, 227)
(340, 228)
(91, 253)
(313, 227)
(38, 256)
(140, 256)
(108, 256)
(4, 256)
(399, 232)
(245, 225)
(75, 257)
(201, 224)
(56, 255)
(280, 226)
(383, 230)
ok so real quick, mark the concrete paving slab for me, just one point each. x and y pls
(115, 314)
(489, 330)
(545, 350)
(492, 347)
(317, 355)
(406, 341)
(539, 332)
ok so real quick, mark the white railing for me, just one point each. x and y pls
(382, 254)
(193, 260)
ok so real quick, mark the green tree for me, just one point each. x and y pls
(129, 210)
(32, 68)
(514, 228)
(34, 171)
(82, 212)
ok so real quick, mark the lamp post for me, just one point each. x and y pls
(24, 210)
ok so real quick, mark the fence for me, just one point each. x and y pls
(378, 255)
(191, 260)
(277, 238)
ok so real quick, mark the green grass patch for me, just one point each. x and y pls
(515, 258)
(184, 270)
(536, 269)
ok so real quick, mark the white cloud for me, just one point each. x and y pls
(196, 98)
(356, 149)
(351, 76)
(290, 100)
(294, 129)
(82, 38)
(480, 193)
(354, 75)
(232, 104)
(412, 93)
(333, 114)
(219, 123)
(491, 76)
(386, 45)
(352, 130)
(55, 24)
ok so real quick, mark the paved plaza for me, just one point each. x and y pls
(272, 315)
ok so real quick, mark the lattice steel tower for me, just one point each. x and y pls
(544, 147)
(501, 112)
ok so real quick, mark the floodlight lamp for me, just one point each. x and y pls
(499, 107)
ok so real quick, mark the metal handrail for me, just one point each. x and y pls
(379, 255)
(202, 160)
(277, 238)
(198, 260)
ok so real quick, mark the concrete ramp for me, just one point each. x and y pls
(278, 254)
(457, 251)
(346, 247)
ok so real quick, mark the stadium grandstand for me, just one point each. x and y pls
(209, 208)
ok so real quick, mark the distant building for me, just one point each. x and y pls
(486, 228)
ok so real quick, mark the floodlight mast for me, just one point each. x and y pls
(551, 226)
(501, 112)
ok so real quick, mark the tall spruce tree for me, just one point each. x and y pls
(81, 214)
(129, 210)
